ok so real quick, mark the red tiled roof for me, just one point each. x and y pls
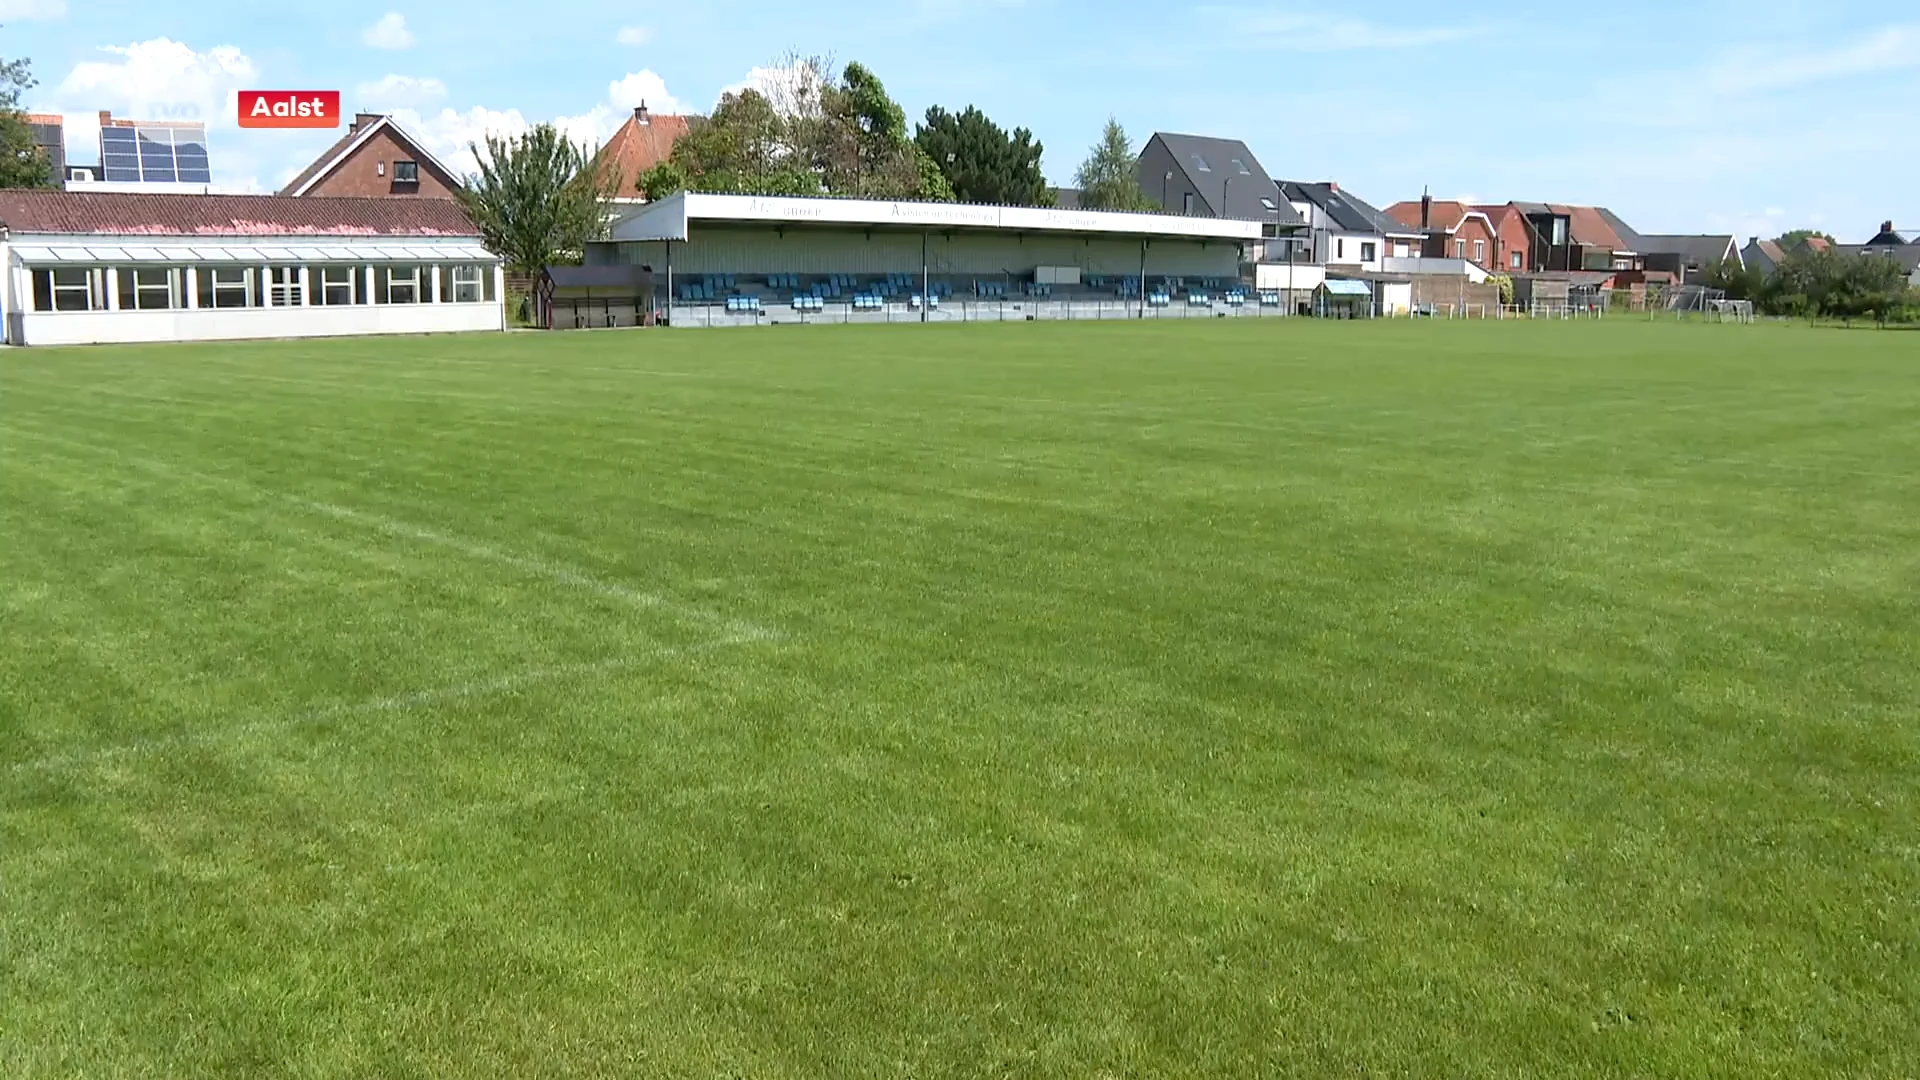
(46, 118)
(126, 214)
(1818, 243)
(1590, 229)
(1444, 214)
(638, 146)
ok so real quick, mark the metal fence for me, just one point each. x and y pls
(1011, 309)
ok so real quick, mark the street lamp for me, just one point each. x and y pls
(1164, 181)
(1226, 191)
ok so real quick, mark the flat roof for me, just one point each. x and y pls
(669, 218)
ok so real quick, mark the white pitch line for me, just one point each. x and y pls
(734, 628)
(388, 703)
(566, 575)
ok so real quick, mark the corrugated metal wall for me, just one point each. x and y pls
(714, 250)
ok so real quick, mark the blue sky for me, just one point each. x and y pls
(1748, 117)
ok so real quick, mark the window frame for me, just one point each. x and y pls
(285, 286)
(139, 284)
(406, 172)
(388, 281)
(351, 284)
(213, 287)
(1368, 251)
(1480, 251)
(451, 288)
(91, 289)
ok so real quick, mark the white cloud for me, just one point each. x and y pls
(450, 133)
(398, 91)
(770, 81)
(28, 10)
(160, 79)
(634, 35)
(1304, 32)
(643, 87)
(390, 32)
(1890, 48)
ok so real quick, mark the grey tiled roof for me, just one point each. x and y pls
(1342, 207)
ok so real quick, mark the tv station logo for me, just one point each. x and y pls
(289, 108)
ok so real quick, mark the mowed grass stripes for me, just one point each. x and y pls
(1235, 699)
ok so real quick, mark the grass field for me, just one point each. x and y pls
(1239, 699)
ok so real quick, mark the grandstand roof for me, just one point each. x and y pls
(669, 218)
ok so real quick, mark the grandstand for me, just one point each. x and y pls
(730, 260)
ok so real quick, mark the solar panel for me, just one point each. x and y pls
(112, 135)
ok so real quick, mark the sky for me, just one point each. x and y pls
(1748, 117)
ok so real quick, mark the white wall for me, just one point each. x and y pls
(103, 327)
(1305, 276)
(1396, 297)
(1350, 244)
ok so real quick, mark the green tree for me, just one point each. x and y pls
(1107, 179)
(664, 179)
(860, 146)
(1738, 281)
(1793, 238)
(535, 199)
(980, 161)
(744, 148)
(1868, 287)
(22, 163)
(808, 133)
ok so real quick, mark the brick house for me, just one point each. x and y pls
(1453, 230)
(1509, 236)
(376, 158)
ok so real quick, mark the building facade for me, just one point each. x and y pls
(87, 268)
(376, 158)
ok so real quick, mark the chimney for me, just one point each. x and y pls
(1333, 186)
(106, 118)
(360, 121)
(1426, 211)
(640, 114)
(1886, 226)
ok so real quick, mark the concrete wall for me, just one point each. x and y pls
(755, 251)
(104, 327)
(1305, 277)
(1395, 297)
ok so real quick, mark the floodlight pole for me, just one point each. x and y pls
(926, 281)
